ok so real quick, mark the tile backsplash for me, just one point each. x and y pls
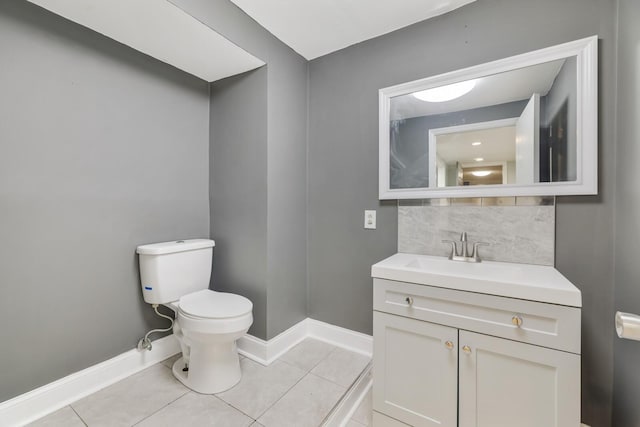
(516, 232)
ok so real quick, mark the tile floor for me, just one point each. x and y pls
(299, 389)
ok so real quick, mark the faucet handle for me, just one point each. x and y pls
(454, 248)
(463, 236)
(475, 253)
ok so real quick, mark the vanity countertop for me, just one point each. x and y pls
(524, 281)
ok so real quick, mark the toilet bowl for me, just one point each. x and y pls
(207, 323)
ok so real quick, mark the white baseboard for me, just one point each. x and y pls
(37, 403)
(44, 400)
(340, 337)
(265, 352)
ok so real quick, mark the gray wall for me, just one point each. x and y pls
(238, 189)
(343, 161)
(281, 201)
(102, 149)
(627, 292)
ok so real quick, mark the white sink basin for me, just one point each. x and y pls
(523, 281)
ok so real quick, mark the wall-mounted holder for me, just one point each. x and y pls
(628, 325)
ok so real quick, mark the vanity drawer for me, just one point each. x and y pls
(548, 325)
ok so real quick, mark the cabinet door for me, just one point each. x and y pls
(415, 371)
(506, 383)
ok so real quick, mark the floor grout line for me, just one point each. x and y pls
(283, 395)
(331, 381)
(328, 380)
(237, 409)
(267, 409)
(364, 380)
(253, 420)
(319, 362)
(163, 407)
(280, 398)
(78, 415)
(308, 372)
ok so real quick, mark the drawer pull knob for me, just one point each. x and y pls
(409, 300)
(517, 321)
(449, 345)
(466, 349)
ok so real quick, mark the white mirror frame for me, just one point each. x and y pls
(586, 51)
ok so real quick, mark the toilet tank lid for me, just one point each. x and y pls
(175, 246)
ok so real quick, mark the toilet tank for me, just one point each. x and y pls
(170, 270)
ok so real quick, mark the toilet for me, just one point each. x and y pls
(207, 323)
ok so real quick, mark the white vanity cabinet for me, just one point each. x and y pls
(415, 374)
(507, 383)
(446, 357)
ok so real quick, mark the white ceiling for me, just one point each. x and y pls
(161, 30)
(498, 145)
(317, 27)
(311, 27)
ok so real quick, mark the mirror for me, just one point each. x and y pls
(521, 126)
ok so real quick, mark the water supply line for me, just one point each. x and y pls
(145, 343)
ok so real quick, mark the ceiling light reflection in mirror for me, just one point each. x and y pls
(495, 89)
(445, 93)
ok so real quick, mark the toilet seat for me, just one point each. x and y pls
(208, 324)
(208, 304)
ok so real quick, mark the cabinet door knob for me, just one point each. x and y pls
(516, 320)
(466, 349)
(409, 300)
(449, 345)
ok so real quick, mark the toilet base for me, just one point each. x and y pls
(210, 373)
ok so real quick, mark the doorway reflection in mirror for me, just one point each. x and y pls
(524, 121)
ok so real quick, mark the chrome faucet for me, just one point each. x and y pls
(463, 254)
(463, 242)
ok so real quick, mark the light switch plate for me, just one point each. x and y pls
(370, 220)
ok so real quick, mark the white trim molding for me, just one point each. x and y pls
(44, 400)
(265, 352)
(340, 337)
(348, 405)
